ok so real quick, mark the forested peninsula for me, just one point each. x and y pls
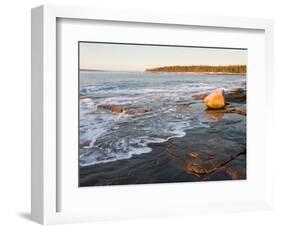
(228, 69)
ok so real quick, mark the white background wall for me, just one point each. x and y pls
(15, 113)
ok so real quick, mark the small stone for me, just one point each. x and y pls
(137, 111)
(194, 154)
(196, 169)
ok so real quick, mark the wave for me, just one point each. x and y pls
(114, 137)
(123, 148)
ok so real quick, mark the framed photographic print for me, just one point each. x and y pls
(139, 114)
(142, 124)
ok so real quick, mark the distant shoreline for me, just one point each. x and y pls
(203, 69)
(168, 72)
(199, 73)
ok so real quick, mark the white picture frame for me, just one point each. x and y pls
(45, 162)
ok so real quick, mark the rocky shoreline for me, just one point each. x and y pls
(214, 152)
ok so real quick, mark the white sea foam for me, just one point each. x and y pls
(115, 146)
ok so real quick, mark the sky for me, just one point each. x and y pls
(122, 57)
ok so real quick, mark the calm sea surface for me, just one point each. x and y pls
(105, 136)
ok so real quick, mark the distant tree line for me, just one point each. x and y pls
(201, 68)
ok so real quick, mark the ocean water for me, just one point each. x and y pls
(105, 136)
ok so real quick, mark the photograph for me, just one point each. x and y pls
(157, 113)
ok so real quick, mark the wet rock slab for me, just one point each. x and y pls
(214, 152)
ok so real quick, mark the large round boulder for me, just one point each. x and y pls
(215, 100)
